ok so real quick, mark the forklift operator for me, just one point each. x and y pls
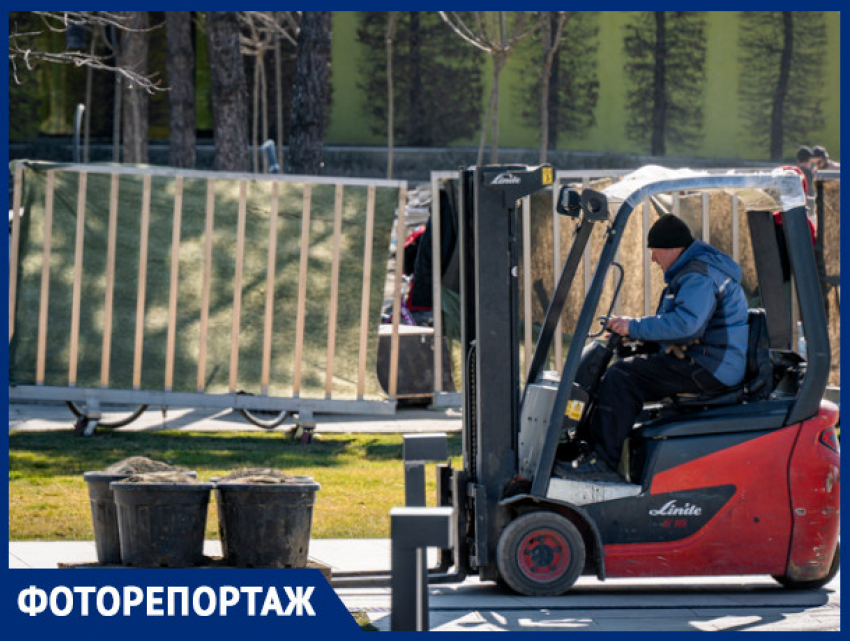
(701, 329)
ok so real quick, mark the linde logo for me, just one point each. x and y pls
(671, 509)
(505, 179)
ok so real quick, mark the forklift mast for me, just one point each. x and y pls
(489, 292)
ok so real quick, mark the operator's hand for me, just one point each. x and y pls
(619, 325)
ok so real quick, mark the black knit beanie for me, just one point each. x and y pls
(669, 232)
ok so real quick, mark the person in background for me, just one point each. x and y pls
(822, 161)
(805, 158)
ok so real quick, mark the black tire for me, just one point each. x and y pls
(265, 419)
(540, 554)
(109, 418)
(793, 584)
(301, 434)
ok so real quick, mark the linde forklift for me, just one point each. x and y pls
(742, 482)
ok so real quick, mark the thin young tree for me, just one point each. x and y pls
(261, 33)
(498, 33)
(561, 98)
(436, 79)
(24, 54)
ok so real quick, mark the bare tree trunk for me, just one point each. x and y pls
(180, 65)
(485, 122)
(491, 34)
(229, 92)
(134, 55)
(307, 129)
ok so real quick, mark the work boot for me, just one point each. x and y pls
(588, 468)
(573, 450)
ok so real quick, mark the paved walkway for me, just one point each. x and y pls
(723, 603)
(32, 416)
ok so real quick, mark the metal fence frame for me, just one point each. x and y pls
(305, 407)
(296, 403)
(584, 177)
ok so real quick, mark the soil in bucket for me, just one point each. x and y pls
(265, 518)
(104, 517)
(161, 519)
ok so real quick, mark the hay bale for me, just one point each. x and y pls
(140, 465)
(162, 477)
(264, 475)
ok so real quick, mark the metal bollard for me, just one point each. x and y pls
(419, 449)
(412, 530)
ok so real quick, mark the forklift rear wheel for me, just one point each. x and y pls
(793, 584)
(540, 554)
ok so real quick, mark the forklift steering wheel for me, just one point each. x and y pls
(614, 339)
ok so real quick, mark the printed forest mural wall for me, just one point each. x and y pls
(665, 69)
(749, 85)
(782, 90)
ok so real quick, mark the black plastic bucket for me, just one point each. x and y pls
(266, 525)
(103, 516)
(161, 524)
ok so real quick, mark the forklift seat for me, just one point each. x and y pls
(758, 378)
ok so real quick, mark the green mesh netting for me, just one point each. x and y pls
(22, 352)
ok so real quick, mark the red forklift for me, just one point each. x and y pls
(742, 482)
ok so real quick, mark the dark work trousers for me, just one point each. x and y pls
(633, 381)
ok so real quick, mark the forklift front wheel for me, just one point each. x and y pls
(540, 554)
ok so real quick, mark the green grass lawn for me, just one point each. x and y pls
(361, 476)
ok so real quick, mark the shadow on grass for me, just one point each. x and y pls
(58, 453)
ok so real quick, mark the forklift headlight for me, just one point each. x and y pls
(569, 202)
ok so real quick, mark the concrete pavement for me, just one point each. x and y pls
(714, 603)
(38, 416)
(722, 603)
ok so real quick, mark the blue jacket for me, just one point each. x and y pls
(704, 302)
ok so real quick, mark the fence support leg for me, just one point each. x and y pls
(412, 529)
